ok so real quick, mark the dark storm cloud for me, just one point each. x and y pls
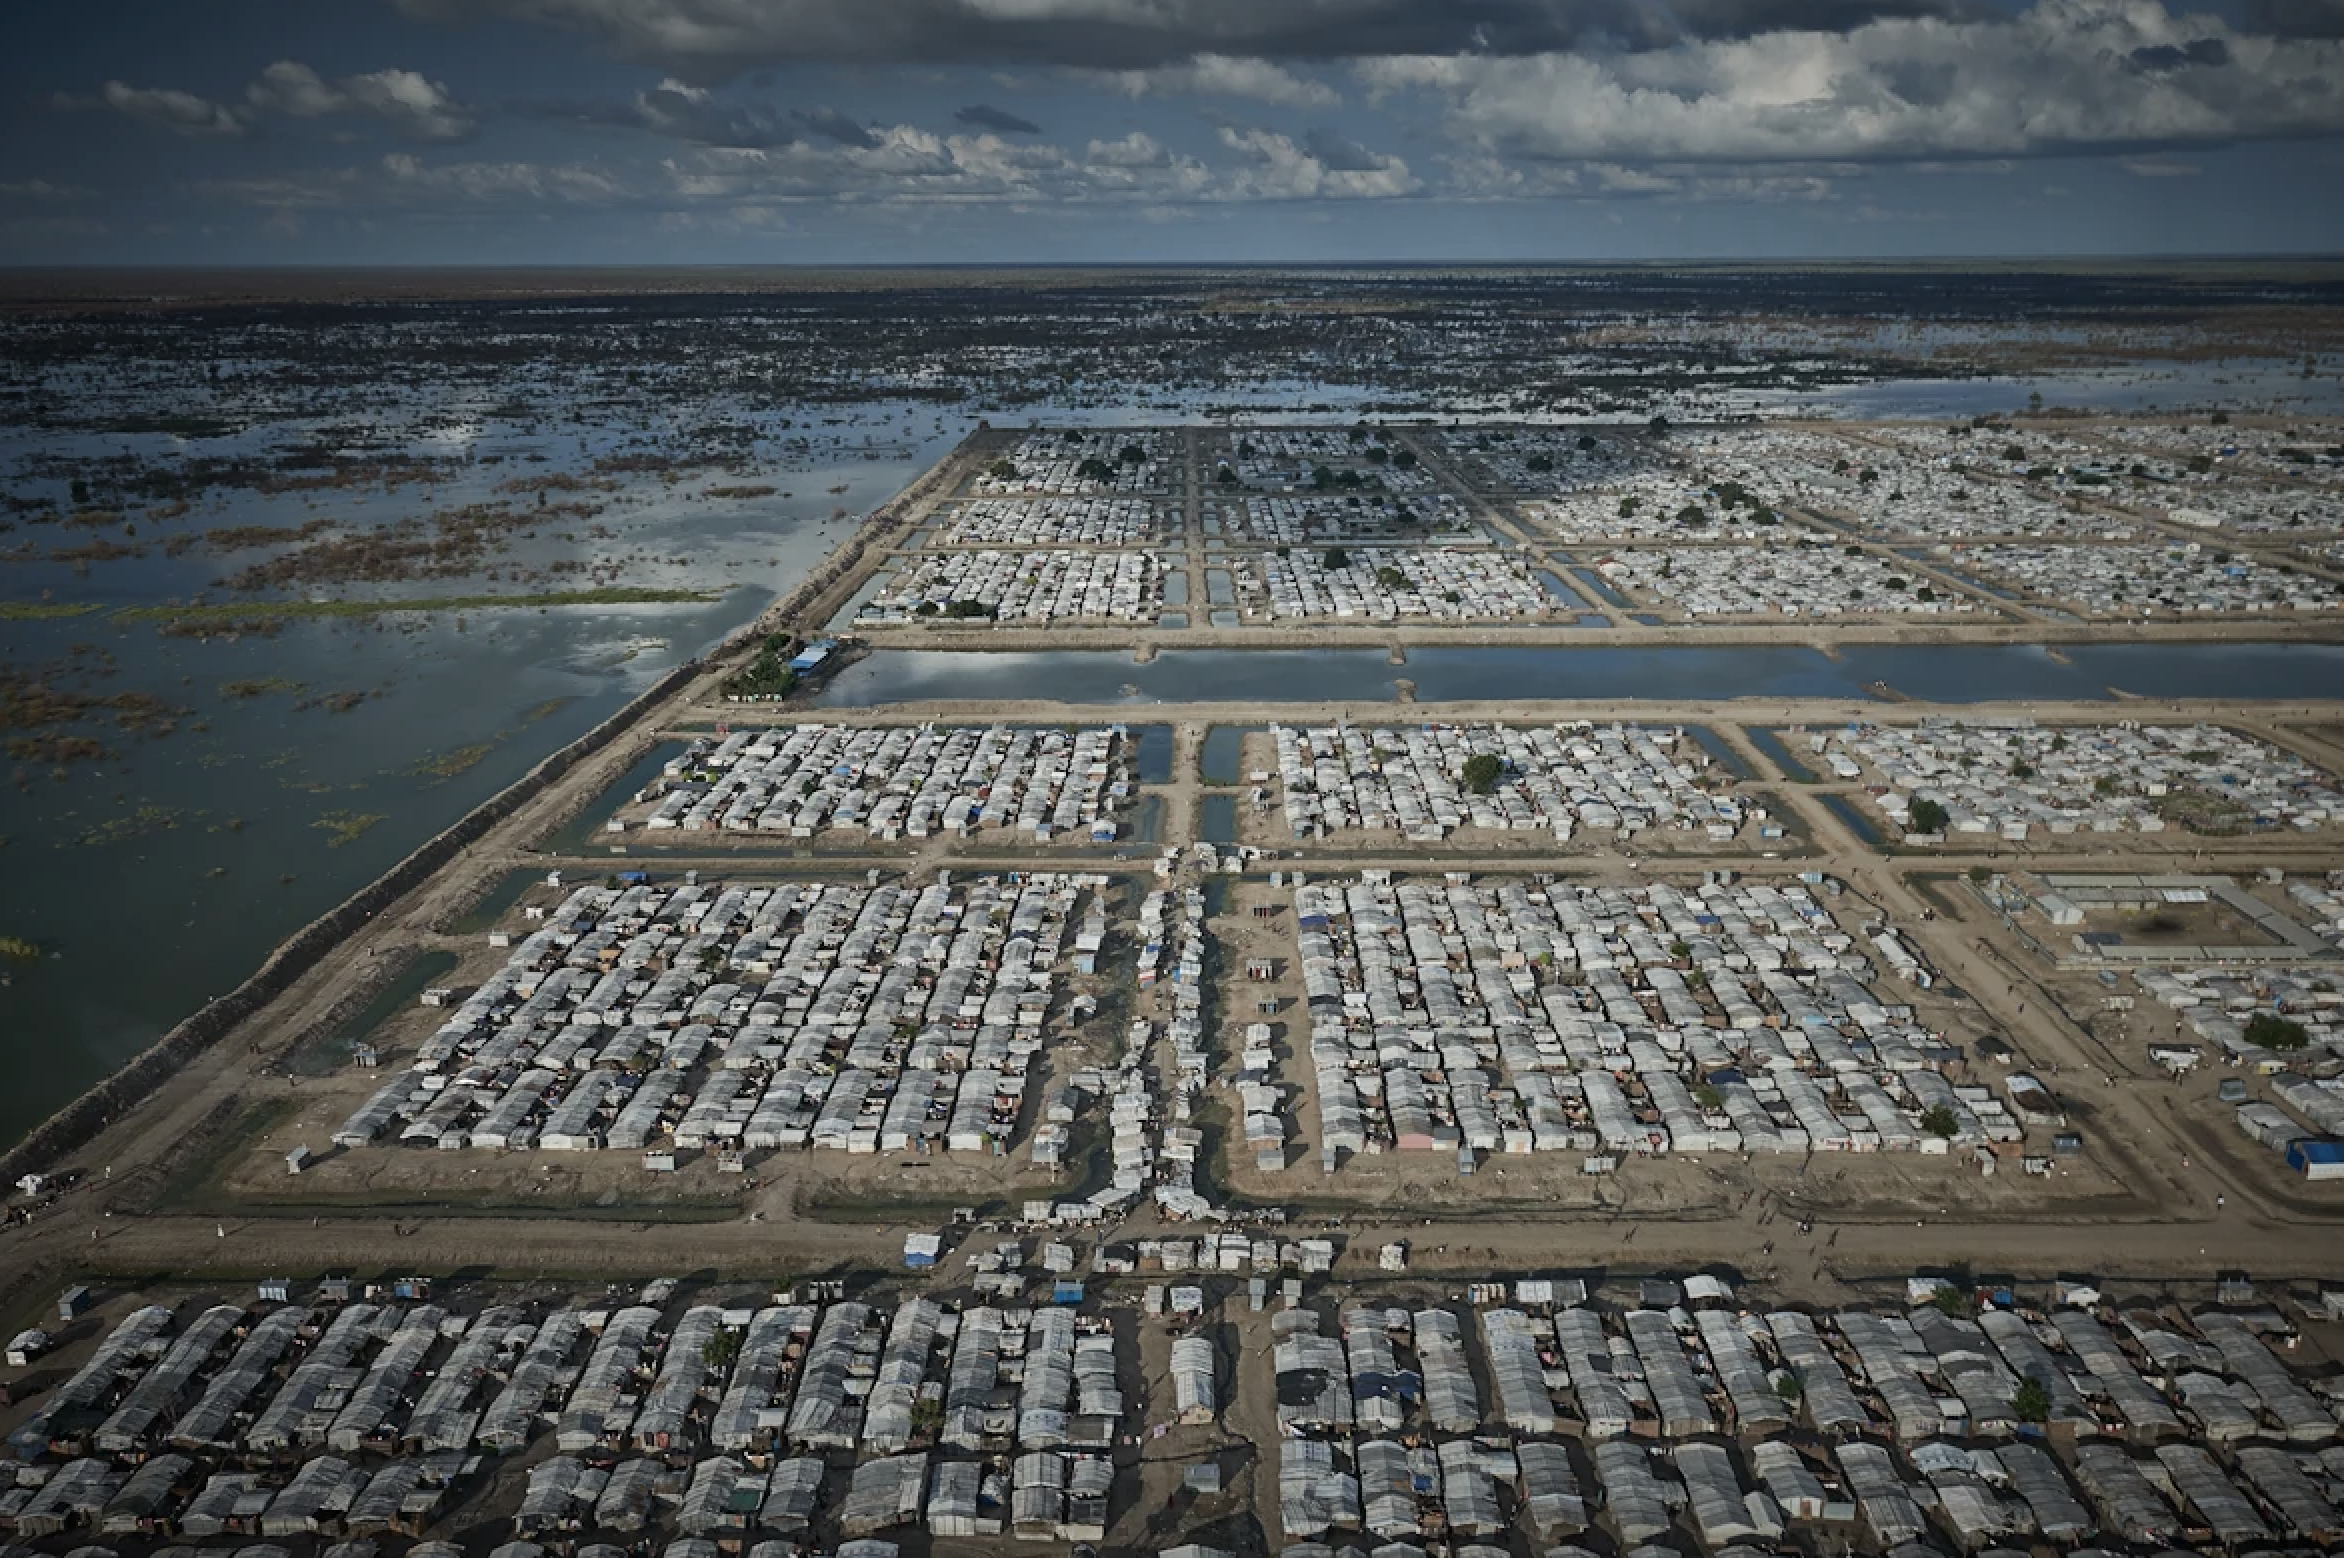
(2169, 56)
(683, 113)
(717, 39)
(984, 116)
(2296, 18)
(831, 125)
(692, 114)
(1338, 154)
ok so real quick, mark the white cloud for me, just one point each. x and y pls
(2066, 75)
(567, 183)
(1222, 75)
(403, 97)
(1276, 167)
(182, 113)
(406, 99)
(1136, 150)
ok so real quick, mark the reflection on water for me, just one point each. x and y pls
(190, 856)
(1963, 673)
(1151, 758)
(1107, 676)
(1222, 761)
(1778, 752)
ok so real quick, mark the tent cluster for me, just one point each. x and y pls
(863, 1018)
(1299, 520)
(1555, 1017)
(349, 1418)
(1389, 583)
(2012, 776)
(901, 781)
(1903, 1431)
(2182, 577)
(1046, 522)
(1554, 779)
(1019, 587)
(1778, 580)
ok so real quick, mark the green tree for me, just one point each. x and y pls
(1335, 558)
(1482, 771)
(1939, 1120)
(1929, 816)
(1002, 470)
(2272, 1031)
(719, 1351)
(2031, 1402)
(1392, 578)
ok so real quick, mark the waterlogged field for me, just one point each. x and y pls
(285, 590)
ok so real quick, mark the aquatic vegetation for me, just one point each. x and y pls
(45, 610)
(462, 760)
(258, 687)
(146, 820)
(226, 613)
(347, 827)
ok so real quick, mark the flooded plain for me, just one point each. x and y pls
(210, 789)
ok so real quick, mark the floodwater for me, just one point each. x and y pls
(184, 863)
(158, 878)
(1964, 673)
(1222, 760)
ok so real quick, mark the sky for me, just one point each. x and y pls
(664, 132)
